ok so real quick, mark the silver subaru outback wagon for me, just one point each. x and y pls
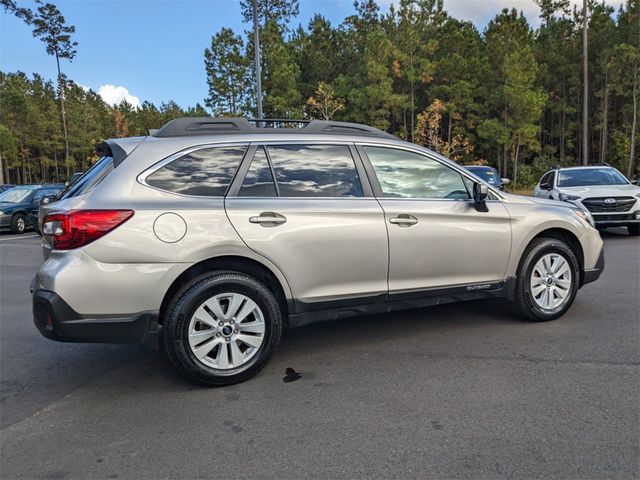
(214, 234)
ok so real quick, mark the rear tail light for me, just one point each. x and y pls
(80, 227)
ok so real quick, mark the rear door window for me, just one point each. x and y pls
(258, 182)
(314, 171)
(205, 172)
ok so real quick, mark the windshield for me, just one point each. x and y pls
(16, 195)
(486, 174)
(91, 178)
(590, 176)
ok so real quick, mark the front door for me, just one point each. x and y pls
(437, 238)
(318, 222)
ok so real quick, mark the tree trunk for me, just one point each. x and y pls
(55, 159)
(1, 168)
(413, 110)
(634, 120)
(585, 81)
(563, 120)
(63, 112)
(29, 168)
(24, 171)
(515, 163)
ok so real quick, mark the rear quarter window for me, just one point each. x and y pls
(92, 177)
(205, 172)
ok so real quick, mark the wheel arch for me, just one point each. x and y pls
(566, 236)
(236, 263)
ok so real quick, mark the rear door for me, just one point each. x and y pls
(437, 238)
(308, 208)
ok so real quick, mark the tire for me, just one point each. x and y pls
(634, 230)
(193, 327)
(18, 223)
(538, 307)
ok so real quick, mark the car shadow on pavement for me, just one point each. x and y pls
(614, 233)
(365, 332)
(143, 365)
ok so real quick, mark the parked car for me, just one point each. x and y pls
(215, 234)
(489, 175)
(5, 186)
(19, 205)
(73, 179)
(49, 197)
(612, 200)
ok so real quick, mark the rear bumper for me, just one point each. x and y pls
(56, 320)
(594, 273)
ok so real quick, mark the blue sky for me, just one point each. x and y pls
(153, 49)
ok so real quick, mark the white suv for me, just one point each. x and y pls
(602, 190)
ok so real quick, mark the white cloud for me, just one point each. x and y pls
(481, 11)
(115, 95)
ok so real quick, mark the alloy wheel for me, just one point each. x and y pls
(551, 281)
(226, 331)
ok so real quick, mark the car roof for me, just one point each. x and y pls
(584, 167)
(44, 185)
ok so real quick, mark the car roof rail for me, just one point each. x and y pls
(597, 164)
(191, 126)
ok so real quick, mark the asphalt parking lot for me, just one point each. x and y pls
(456, 391)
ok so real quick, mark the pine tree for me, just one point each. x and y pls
(228, 75)
(51, 27)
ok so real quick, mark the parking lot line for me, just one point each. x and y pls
(14, 237)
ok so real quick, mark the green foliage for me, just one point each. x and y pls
(509, 96)
(228, 74)
(50, 26)
(31, 138)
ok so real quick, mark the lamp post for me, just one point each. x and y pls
(256, 60)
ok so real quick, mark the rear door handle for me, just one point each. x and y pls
(268, 219)
(404, 220)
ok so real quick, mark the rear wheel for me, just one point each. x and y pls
(548, 279)
(222, 328)
(634, 230)
(18, 223)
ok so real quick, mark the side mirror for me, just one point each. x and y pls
(636, 181)
(545, 186)
(505, 181)
(480, 194)
(47, 199)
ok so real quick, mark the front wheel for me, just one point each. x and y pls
(634, 230)
(222, 328)
(18, 223)
(548, 279)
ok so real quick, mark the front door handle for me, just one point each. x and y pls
(268, 219)
(404, 220)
